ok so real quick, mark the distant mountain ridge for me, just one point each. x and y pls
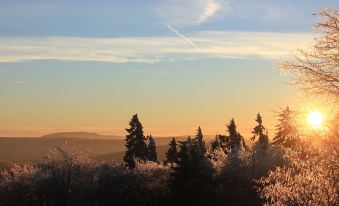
(99, 147)
(80, 135)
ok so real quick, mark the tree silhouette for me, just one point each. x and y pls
(215, 144)
(191, 176)
(200, 141)
(172, 153)
(136, 147)
(235, 140)
(287, 133)
(258, 131)
(152, 149)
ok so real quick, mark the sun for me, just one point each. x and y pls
(315, 119)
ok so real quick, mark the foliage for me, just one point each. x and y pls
(191, 176)
(136, 148)
(317, 70)
(200, 141)
(151, 150)
(309, 178)
(287, 133)
(172, 153)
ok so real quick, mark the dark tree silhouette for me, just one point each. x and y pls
(136, 147)
(152, 149)
(232, 142)
(191, 176)
(258, 131)
(215, 144)
(172, 153)
(235, 139)
(200, 141)
(287, 133)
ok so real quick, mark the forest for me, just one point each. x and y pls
(294, 166)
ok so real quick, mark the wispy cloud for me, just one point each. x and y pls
(153, 49)
(209, 10)
(188, 12)
(182, 36)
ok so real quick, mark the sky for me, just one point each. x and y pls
(90, 65)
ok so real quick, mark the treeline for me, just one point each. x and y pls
(287, 171)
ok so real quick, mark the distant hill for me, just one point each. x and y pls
(100, 147)
(81, 135)
(118, 156)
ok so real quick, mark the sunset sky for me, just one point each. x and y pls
(90, 65)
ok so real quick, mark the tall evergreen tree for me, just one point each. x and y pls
(172, 153)
(258, 131)
(260, 148)
(152, 149)
(191, 176)
(200, 141)
(234, 140)
(136, 147)
(215, 144)
(287, 132)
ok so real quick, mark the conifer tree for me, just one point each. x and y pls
(200, 141)
(136, 147)
(234, 139)
(152, 149)
(260, 148)
(287, 133)
(258, 131)
(215, 144)
(172, 153)
(191, 176)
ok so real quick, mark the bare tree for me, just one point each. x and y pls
(317, 69)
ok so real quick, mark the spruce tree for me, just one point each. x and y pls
(200, 141)
(191, 176)
(234, 140)
(172, 153)
(261, 146)
(287, 133)
(136, 147)
(258, 131)
(215, 144)
(152, 149)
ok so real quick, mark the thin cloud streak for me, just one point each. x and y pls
(153, 49)
(182, 36)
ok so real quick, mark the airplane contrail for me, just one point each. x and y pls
(183, 37)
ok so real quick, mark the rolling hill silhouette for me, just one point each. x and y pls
(99, 147)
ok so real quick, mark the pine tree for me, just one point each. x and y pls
(215, 144)
(191, 176)
(172, 153)
(260, 148)
(234, 140)
(136, 147)
(258, 131)
(200, 141)
(287, 133)
(152, 149)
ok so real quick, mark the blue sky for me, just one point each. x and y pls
(89, 65)
(147, 18)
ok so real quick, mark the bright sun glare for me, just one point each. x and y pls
(315, 119)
